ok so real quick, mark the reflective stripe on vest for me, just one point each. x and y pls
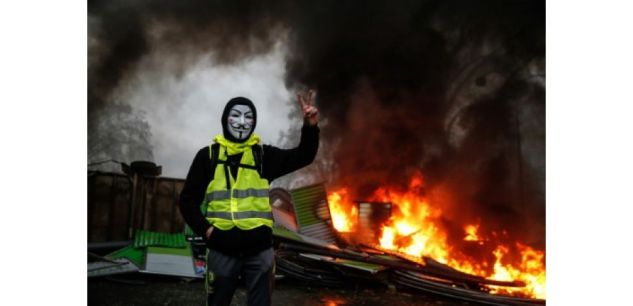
(240, 215)
(238, 194)
(251, 192)
(218, 195)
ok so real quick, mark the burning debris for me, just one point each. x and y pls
(399, 238)
(395, 238)
(451, 88)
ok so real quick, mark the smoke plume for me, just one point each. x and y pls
(453, 89)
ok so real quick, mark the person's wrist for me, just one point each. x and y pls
(308, 122)
(209, 231)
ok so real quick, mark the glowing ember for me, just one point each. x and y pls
(344, 215)
(414, 230)
(333, 302)
(471, 233)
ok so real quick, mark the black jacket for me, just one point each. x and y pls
(276, 162)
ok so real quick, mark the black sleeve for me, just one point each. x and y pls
(278, 162)
(194, 190)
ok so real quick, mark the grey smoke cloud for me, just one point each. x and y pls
(184, 111)
(446, 87)
(144, 53)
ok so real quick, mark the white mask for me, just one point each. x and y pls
(240, 121)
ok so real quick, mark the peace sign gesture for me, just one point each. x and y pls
(306, 100)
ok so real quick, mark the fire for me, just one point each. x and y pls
(415, 230)
(531, 270)
(388, 235)
(344, 215)
(333, 302)
(412, 230)
(471, 233)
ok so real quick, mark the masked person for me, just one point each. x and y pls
(230, 179)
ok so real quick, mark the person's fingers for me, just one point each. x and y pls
(311, 111)
(306, 100)
(310, 97)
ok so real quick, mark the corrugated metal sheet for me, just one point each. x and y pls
(285, 233)
(456, 290)
(318, 274)
(146, 238)
(312, 212)
(170, 261)
(354, 264)
(118, 266)
(283, 211)
(134, 254)
(370, 216)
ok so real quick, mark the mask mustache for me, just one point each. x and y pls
(243, 127)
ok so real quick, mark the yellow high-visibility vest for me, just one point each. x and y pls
(246, 204)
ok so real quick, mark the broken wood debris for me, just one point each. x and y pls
(318, 256)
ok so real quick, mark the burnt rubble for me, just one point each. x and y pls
(308, 248)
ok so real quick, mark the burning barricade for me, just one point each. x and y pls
(397, 238)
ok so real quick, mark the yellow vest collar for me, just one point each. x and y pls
(236, 148)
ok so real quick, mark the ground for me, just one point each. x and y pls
(139, 289)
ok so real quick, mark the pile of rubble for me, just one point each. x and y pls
(308, 248)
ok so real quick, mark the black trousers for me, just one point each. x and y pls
(223, 273)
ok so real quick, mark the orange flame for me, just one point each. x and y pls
(414, 230)
(531, 270)
(344, 215)
(333, 302)
(471, 233)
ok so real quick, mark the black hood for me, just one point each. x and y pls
(225, 116)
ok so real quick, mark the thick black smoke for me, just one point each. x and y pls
(452, 88)
(448, 87)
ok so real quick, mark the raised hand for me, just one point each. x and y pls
(310, 112)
